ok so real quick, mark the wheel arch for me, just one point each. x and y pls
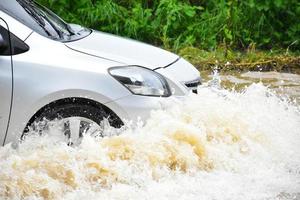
(75, 100)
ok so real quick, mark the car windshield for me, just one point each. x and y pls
(42, 20)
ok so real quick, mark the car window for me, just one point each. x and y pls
(11, 45)
(40, 20)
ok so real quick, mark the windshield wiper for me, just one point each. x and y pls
(68, 27)
(41, 19)
(36, 17)
(59, 32)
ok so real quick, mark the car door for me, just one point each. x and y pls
(6, 79)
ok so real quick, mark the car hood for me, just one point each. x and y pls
(123, 51)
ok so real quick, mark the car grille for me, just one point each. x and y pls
(192, 85)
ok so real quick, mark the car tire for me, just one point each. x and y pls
(85, 112)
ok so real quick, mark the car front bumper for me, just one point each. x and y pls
(135, 107)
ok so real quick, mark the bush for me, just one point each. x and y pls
(175, 24)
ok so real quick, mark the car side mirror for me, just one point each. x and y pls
(3, 44)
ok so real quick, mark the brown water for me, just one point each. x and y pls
(283, 83)
(218, 145)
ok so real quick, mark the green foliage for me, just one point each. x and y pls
(175, 24)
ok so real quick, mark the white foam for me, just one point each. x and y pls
(218, 144)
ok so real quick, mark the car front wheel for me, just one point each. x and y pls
(74, 121)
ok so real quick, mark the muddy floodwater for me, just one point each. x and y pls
(283, 83)
(238, 139)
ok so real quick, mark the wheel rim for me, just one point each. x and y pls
(74, 128)
(70, 129)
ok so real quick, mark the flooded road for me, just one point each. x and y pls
(283, 83)
(220, 144)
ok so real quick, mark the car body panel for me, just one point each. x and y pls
(17, 28)
(123, 50)
(139, 107)
(53, 70)
(182, 71)
(6, 90)
(178, 74)
(40, 79)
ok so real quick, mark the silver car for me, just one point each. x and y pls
(53, 70)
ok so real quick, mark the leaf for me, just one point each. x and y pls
(189, 11)
(228, 34)
(278, 3)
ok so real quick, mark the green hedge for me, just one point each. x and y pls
(205, 24)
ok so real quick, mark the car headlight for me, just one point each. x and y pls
(141, 81)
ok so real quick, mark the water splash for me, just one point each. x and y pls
(218, 144)
(215, 82)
